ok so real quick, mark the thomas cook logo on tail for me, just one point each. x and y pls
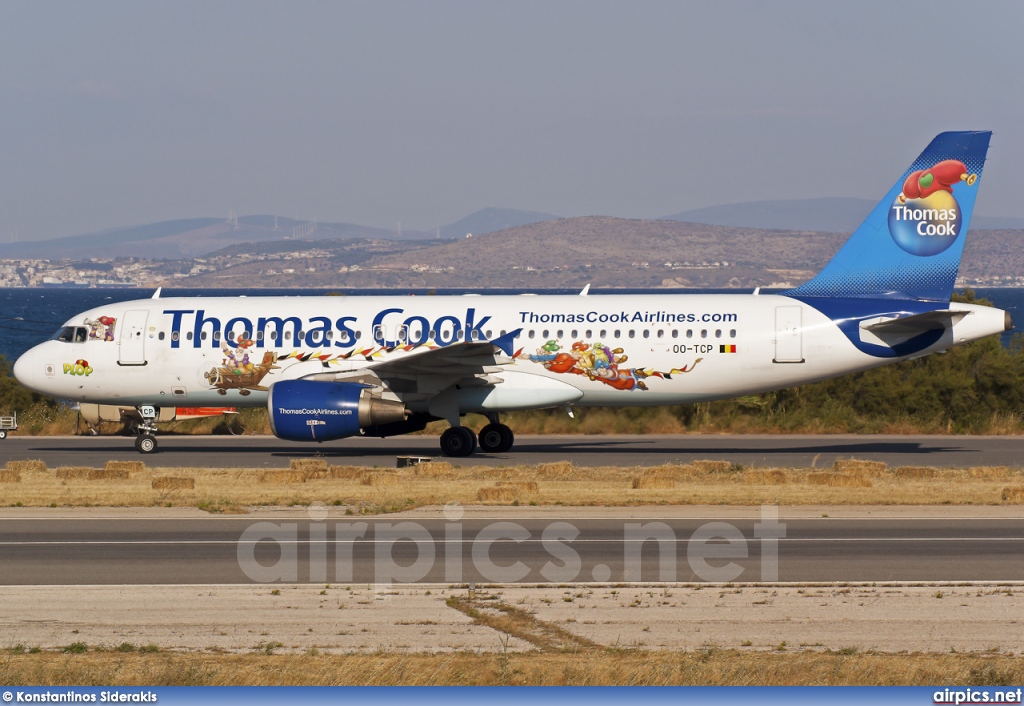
(925, 218)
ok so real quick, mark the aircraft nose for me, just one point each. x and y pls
(22, 370)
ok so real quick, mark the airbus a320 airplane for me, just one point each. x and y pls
(333, 367)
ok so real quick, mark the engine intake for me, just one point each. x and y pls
(303, 410)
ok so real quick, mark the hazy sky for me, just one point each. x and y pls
(119, 113)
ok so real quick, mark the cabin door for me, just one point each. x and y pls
(132, 344)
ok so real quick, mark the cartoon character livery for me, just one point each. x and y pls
(328, 368)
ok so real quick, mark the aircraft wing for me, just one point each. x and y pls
(427, 372)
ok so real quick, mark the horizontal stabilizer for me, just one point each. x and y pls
(917, 323)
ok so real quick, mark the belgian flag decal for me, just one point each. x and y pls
(727, 349)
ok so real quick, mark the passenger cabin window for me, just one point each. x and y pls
(161, 336)
(732, 333)
(647, 333)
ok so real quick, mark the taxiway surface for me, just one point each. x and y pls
(794, 451)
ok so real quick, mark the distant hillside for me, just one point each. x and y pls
(606, 252)
(195, 237)
(831, 215)
(489, 220)
(191, 237)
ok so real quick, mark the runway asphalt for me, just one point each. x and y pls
(798, 451)
(222, 550)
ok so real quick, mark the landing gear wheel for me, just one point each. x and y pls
(145, 444)
(496, 439)
(458, 441)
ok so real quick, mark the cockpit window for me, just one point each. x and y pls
(69, 334)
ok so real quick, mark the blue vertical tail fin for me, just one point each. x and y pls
(910, 245)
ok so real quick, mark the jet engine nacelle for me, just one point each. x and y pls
(304, 410)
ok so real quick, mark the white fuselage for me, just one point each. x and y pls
(613, 349)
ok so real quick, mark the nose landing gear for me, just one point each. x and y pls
(145, 443)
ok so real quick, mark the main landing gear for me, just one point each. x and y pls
(493, 438)
(496, 438)
(458, 441)
(145, 442)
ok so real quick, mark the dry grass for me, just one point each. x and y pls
(126, 466)
(989, 472)
(434, 469)
(499, 495)
(510, 620)
(652, 483)
(523, 486)
(709, 666)
(1013, 495)
(859, 467)
(309, 464)
(915, 472)
(772, 476)
(838, 480)
(28, 466)
(556, 471)
(712, 466)
(74, 472)
(109, 474)
(365, 490)
(346, 472)
(282, 477)
(7, 476)
(173, 483)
